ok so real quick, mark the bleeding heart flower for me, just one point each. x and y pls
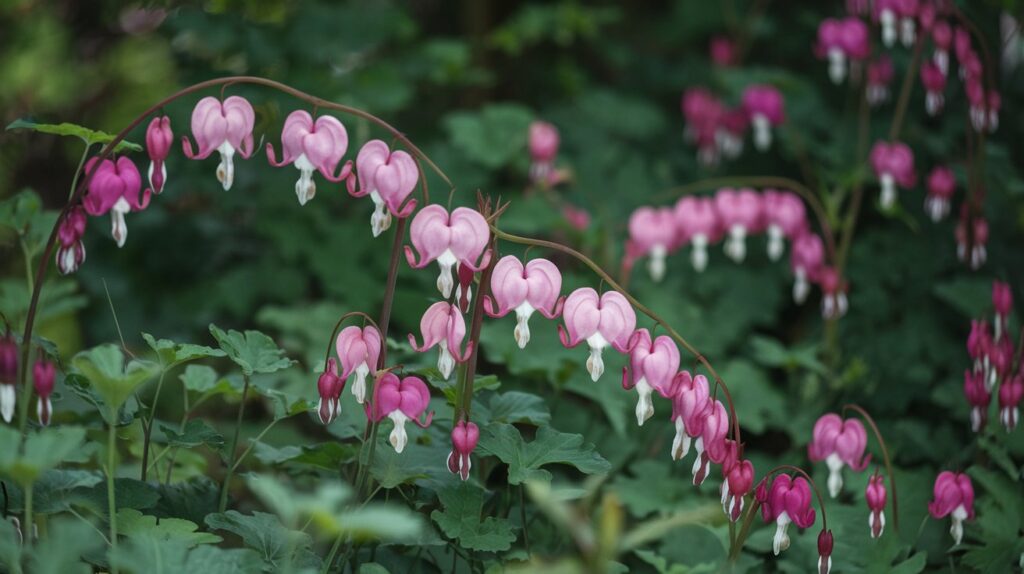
(224, 127)
(788, 500)
(737, 477)
(839, 443)
(600, 320)
(697, 224)
(690, 397)
(834, 302)
(942, 38)
(652, 231)
(442, 326)
(934, 80)
(766, 108)
(807, 262)
(894, 165)
(543, 144)
(8, 375)
(311, 146)
(953, 495)
(941, 186)
(740, 213)
(711, 425)
(978, 396)
(71, 251)
(464, 438)
(329, 387)
(786, 217)
(535, 287)
(880, 75)
(401, 401)
(652, 367)
(359, 351)
(115, 188)
(1011, 391)
(43, 374)
(388, 177)
(1002, 300)
(449, 239)
(875, 495)
(158, 145)
(971, 238)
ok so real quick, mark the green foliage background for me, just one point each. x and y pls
(464, 80)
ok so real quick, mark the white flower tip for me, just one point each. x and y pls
(595, 365)
(445, 361)
(399, 438)
(522, 332)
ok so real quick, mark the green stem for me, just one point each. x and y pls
(78, 171)
(28, 516)
(147, 427)
(28, 264)
(234, 444)
(252, 443)
(741, 539)
(908, 83)
(111, 505)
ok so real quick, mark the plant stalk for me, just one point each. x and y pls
(231, 452)
(111, 504)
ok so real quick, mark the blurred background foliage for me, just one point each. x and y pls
(464, 80)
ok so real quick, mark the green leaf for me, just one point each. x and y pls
(273, 542)
(87, 135)
(81, 386)
(518, 407)
(214, 560)
(18, 211)
(197, 432)
(191, 500)
(325, 455)
(372, 568)
(550, 447)
(651, 488)
(61, 551)
(149, 555)
(253, 351)
(10, 548)
(105, 369)
(134, 524)
(391, 469)
(203, 379)
(42, 450)
(55, 490)
(492, 137)
(461, 520)
(171, 353)
(128, 493)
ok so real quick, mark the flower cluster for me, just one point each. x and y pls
(993, 365)
(718, 130)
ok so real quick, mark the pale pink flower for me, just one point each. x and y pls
(459, 238)
(115, 188)
(358, 349)
(543, 143)
(839, 443)
(785, 217)
(652, 366)
(697, 223)
(806, 261)
(652, 232)
(443, 326)
(690, 398)
(739, 212)
(600, 320)
(788, 500)
(401, 401)
(388, 177)
(524, 289)
(312, 146)
(225, 127)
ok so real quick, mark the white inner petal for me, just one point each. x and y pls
(305, 187)
(445, 360)
(762, 132)
(398, 438)
(595, 364)
(522, 330)
(644, 406)
(656, 263)
(681, 442)
(446, 261)
(380, 219)
(835, 474)
(781, 540)
(775, 244)
(736, 244)
(7, 400)
(226, 167)
(118, 227)
(699, 255)
(836, 65)
(359, 385)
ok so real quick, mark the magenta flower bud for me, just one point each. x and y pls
(876, 496)
(578, 219)
(600, 320)
(71, 250)
(329, 386)
(224, 127)
(464, 438)
(535, 287)
(839, 443)
(834, 303)
(311, 146)
(785, 217)
(442, 326)
(766, 109)
(1010, 393)
(697, 223)
(858, 7)
(652, 367)
(953, 496)
(731, 128)
(788, 500)
(941, 185)
(971, 247)
(448, 239)
(854, 39)
(115, 188)
(8, 375)
(737, 477)
(979, 342)
(825, 552)
(1002, 300)
(934, 80)
(880, 75)
(690, 397)
(894, 166)
(978, 397)
(652, 231)
(543, 144)
(995, 102)
(43, 374)
(740, 214)
(942, 38)
(158, 145)
(358, 349)
(806, 261)
(401, 401)
(711, 426)
(388, 177)
(723, 51)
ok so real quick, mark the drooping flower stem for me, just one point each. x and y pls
(111, 505)
(885, 457)
(483, 290)
(231, 450)
(27, 523)
(908, 83)
(499, 234)
(334, 333)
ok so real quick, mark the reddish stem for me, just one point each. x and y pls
(885, 456)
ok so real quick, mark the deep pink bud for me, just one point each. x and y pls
(953, 495)
(711, 427)
(224, 127)
(460, 237)
(115, 188)
(806, 261)
(978, 397)
(578, 219)
(443, 326)
(158, 145)
(934, 80)
(464, 438)
(601, 321)
(543, 144)
(894, 166)
(738, 481)
(971, 238)
(71, 251)
(839, 443)
(388, 177)
(724, 51)
(401, 401)
(941, 186)
(8, 375)
(43, 374)
(1002, 298)
(652, 231)
(524, 289)
(876, 497)
(1011, 391)
(329, 387)
(825, 552)
(880, 74)
(652, 367)
(834, 302)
